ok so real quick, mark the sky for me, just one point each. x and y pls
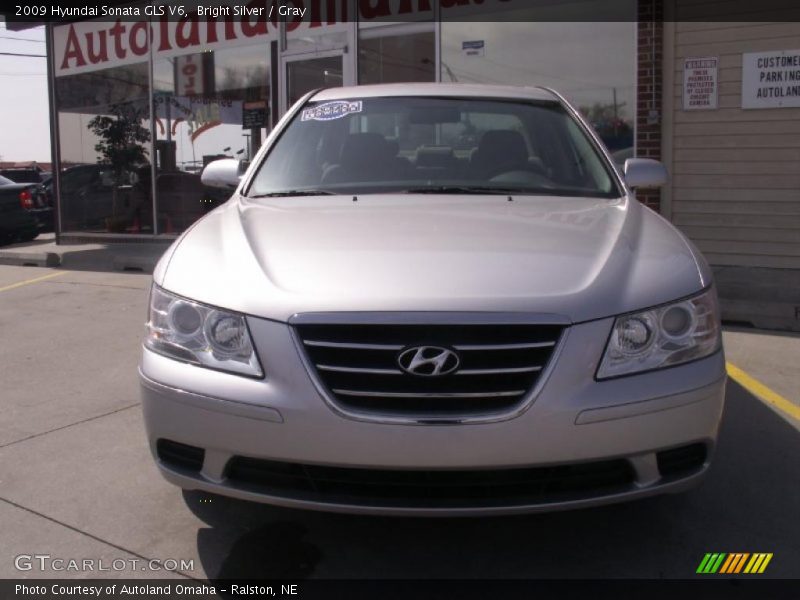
(24, 112)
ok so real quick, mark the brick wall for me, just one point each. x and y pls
(650, 43)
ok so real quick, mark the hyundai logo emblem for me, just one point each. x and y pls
(428, 361)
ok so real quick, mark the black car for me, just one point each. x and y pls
(17, 223)
(32, 198)
(23, 175)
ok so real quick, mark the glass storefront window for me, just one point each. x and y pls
(209, 96)
(212, 92)
(103, 120)
(306, 40)
(593, 64)
(209, 105)
(397, 58)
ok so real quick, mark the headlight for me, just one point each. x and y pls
(663, 336)
(199, 334)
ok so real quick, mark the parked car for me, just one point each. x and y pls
(93, 197)
(32, 198)
(23, 175)
(494, 329)
(17, 224)
(47, 187)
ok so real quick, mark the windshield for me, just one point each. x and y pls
(23, 175)
(5, 181)
(433, 145)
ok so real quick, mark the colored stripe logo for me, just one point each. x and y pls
(734, 563)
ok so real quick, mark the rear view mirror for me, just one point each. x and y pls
(431, 115)
(224, 173)
(645, 173)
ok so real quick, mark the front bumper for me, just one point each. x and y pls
(574, 420)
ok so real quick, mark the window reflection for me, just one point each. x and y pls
(397, 58)
(104, 134)
(422, 144)
(209, 105)
(308, 74)
(591, 63)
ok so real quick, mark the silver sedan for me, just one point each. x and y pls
(433, 300)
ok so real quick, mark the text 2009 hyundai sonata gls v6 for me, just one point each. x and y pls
(433, 299)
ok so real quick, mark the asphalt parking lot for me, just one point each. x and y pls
(77, 480)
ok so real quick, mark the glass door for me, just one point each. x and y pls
(303, 73)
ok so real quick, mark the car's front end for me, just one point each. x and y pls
(444, 353)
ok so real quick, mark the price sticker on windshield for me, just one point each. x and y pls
(331, 110)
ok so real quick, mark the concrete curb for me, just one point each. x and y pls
(30, 259)
(86, 257)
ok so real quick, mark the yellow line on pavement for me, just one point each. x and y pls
(758, 389)
(34, 280)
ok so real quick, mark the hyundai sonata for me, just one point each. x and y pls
(435, 300)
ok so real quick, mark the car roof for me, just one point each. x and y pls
(460, 90)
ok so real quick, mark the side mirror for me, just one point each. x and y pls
(645, 173)
(224, 173)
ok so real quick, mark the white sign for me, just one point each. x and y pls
(331, 110)
(84, 46)
(473, 48)
(93, 45)
(771, 79)
(700, 83)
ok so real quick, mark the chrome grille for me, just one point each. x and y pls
(358, 365)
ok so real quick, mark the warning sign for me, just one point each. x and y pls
(700, 83)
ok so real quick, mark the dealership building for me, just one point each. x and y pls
(710, 88)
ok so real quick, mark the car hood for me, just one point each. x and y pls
(573, 258)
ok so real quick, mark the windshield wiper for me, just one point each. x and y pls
(286, 193)
(510, 191)
(462, 189)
